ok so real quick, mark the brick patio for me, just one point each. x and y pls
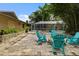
(26, 45)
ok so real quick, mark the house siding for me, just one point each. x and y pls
(6, 21)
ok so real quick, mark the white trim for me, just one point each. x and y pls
(49, 22)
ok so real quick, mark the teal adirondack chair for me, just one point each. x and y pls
(58, 43)
(53, 33)
(74, 39)
(41, 37)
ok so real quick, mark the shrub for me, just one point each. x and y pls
(26, 29)
(1, 32)
(9, 30)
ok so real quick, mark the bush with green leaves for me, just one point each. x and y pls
(26, 29)
(9, 30)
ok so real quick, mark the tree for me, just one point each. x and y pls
(35, 16)
(41, 14)
(44, 12)
(68, 12)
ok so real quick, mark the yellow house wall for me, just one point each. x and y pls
(3, 23)
(9, 22)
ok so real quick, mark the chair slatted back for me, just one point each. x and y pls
(58, 41)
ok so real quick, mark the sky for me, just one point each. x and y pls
(22, 10)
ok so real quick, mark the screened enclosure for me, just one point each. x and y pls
(47, 25)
